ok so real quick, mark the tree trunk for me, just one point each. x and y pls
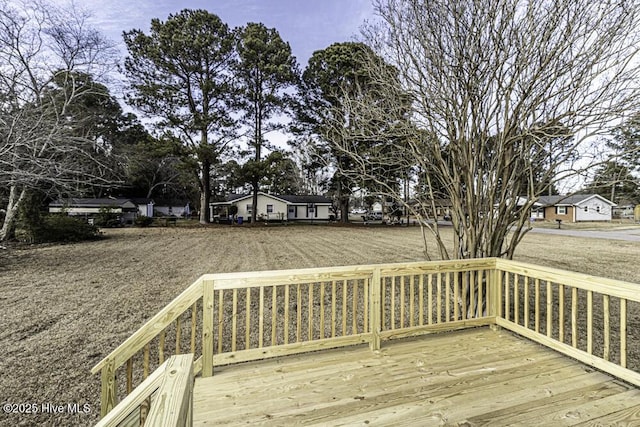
(254, 201)
(205, 194)
(16, 197)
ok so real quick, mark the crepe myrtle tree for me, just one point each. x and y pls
(489, 104)
(50, 143)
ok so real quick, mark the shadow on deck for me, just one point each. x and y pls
(472, 377)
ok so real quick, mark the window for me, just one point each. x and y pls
(249, 209)
(598, 208)
(586, 208)
(561, 210)
(269, 209)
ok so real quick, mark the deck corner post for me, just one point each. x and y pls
(375, 308)
(108, 387)
(207, 327)
(495, 291)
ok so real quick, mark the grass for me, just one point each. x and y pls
(67, 306)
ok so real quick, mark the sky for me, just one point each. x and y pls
(308, 25)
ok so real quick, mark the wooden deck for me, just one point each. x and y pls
(472, 377)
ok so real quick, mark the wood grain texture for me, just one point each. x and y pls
(425, 381)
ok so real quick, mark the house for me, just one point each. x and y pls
(172, 209)
(624, 209)
(575, 208)
(126, 210)
(274, 207)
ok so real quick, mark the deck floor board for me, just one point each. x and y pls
(473, 377)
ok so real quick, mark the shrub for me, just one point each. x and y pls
(143, 221)
(62, 228)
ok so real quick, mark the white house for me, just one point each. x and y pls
(126, 209)
(575, 208)
(274, 207)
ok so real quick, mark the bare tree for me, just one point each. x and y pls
(490, 104)
(43, 51)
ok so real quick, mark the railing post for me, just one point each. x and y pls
(495, 293)
(108, 387)
(375, 307)
(207, 327)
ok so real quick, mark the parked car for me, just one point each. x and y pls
(374, 216)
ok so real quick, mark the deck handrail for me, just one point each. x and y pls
(559, 309)
(246, 316)
(172, 406)
(201, 296)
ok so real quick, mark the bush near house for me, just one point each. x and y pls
(62, 228)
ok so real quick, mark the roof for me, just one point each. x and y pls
(574, 199)
(287, 198)
(90, 203)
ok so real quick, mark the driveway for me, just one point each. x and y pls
(631, 235)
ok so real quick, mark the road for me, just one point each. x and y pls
(631, 235)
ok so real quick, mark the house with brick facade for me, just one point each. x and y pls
(574, 208)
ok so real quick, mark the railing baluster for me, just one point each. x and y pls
(590, 322)
(261, 319)
(298, 313)
(482, 285)
(574, 317)
(549, 309)
(274, 315)
(129, 375)
(247, 322)
(439, 298)
(402, 312)
(333, 309)
(234, 320)
(516, 298)
(606, 328)
(623, 332)
(178, 334)
(430, 299)
(472, 295)
(354, 310)
(161, 347)
(447, 316)
(286, 314)
(365, 324)
(145, 362)
(393, 303)
(220, 318)
(507, 291)
(194, 326)
(344, 308)
(322, 310)
(412, 296)
(456, 296)
(537, 307)
(526, 302)
(560, 312)
(310, 317)
(421, 299)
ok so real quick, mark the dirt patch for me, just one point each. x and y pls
(65, 307)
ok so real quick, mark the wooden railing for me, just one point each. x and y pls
(165, 398)
(582, 316)
(235, 317)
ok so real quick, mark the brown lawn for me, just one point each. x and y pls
(65, 307)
